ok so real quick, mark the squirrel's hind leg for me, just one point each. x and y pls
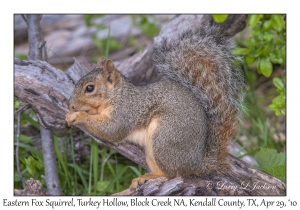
(156, 172)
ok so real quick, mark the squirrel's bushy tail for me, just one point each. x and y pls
(202, 61)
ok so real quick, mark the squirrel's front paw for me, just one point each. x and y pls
(73, 118)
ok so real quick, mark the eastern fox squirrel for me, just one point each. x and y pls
(185, 122)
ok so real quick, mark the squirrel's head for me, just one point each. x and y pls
(93, 92)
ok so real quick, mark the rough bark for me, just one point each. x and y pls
(48, 89)
(33, 188)
(37, 51)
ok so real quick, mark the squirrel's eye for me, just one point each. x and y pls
(89, 88)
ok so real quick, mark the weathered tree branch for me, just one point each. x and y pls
(48, 89)
(32, 188)
(37, 51)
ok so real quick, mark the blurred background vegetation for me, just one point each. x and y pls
(85, 168)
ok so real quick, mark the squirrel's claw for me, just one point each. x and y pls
(136, 182)
(70, 118)
(142, 179)
(73, 118)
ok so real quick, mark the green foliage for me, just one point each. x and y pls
(89, 19)
(30, 120)
(260, 129)
(21, 56)
(272, 162)
(131, 41)
(32, 165)
(278, 103)
(219, 18)
(16, 104)
(31, 161)
(267, 46)
(147, 23)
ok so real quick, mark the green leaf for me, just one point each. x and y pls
(101, 26)
(267, 25)
(258, 65)
(30, 166)
(134, 169)
(219, 18)
(280, 41)
(24, 139)
(258, 51)
(88, 19)
(80, 172)
(30, 120)
(102, 185)
(131, 41)
(241, 51)
(278, 171)
(150, 29)
(277, 22)
(276, 60)
(265, 51)
(278, 103)
(266, 66)
(114, 44)
(38, 164)
(278, 83)
(273, 107)
(254, 19)
(31, 149)
(268, 38)
(16, 104)
(59, 157)
(268, 158)
(280, 100)
(249, 59)
(21, 56)
(117, 177)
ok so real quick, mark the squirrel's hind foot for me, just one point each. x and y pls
(142, 179)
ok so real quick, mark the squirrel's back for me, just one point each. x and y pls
(202, 61)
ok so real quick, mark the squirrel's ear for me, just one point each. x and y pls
(109, 73)
(100, 63)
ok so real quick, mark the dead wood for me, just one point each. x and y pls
(33, 188)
